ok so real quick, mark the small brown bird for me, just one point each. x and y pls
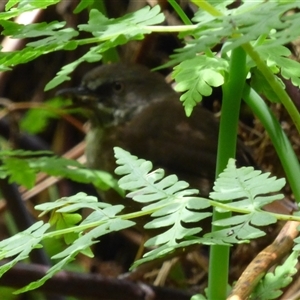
(130, 107)
(133, 108)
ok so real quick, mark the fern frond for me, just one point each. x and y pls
(271, 285)
(248, 189)
(170, 202)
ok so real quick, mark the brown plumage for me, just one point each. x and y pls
(133, 108)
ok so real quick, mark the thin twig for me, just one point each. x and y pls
(264, 261)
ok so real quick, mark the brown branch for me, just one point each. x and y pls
(91, 286)
(264, 261)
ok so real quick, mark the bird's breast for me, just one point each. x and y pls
(94, 147)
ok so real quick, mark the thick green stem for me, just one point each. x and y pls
(280, 141)
(232, 93)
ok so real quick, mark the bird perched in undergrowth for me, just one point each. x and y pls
(135, 109)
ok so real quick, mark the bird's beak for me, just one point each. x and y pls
(88, 100)
(79, 95)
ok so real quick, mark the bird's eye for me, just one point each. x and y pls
(118, 86)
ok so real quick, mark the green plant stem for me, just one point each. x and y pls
(280, 141)
(275, 84)
(239, 210)
(207, 7)
(83, 227)
(154, 28)
(232, 94)
(185, 19)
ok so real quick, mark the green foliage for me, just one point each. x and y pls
(83, 4)
(261, 85)
(297, 240)
(22, 6)
(102, 221)
(252, 22)
(278, 61)
(110, 33)
(21, 244)
(196, 77)
(131, 25)
(171, 204)
(247, 188)
(244, 24)
(198, 297)
(36, 119)
(7, 293)
(107, 33)
(21, 168)
(168, 200)
(260, 29)
(53, 31)
(270, 287)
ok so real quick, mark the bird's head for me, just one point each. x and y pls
(114, 93)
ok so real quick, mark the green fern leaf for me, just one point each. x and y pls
(19, 167)
(271, 285)
(196, 77)
(21, 244)
(248, 190)
(278, 60)
(169, 201)
(246, 186)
